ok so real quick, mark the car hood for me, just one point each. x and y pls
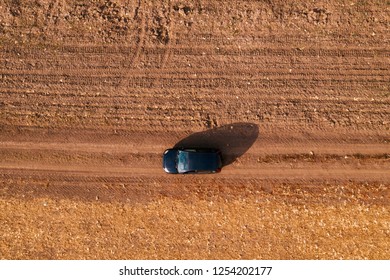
(169, 161)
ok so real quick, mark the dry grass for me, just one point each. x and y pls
(192, 229)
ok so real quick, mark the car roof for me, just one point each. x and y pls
(198, 160)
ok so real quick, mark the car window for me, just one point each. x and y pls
(182, 162)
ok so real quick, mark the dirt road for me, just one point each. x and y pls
(296, 95)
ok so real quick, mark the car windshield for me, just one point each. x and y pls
(182, 161)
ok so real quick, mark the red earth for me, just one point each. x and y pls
(294, 93)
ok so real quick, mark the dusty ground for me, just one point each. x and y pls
(295, 93)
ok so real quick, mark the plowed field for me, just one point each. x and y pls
(294, 93)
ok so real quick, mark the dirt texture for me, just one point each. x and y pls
(294, 93)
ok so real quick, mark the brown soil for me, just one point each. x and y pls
(294, 93)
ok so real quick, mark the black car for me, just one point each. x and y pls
(182, 161)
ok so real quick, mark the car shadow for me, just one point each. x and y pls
(233, 140)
